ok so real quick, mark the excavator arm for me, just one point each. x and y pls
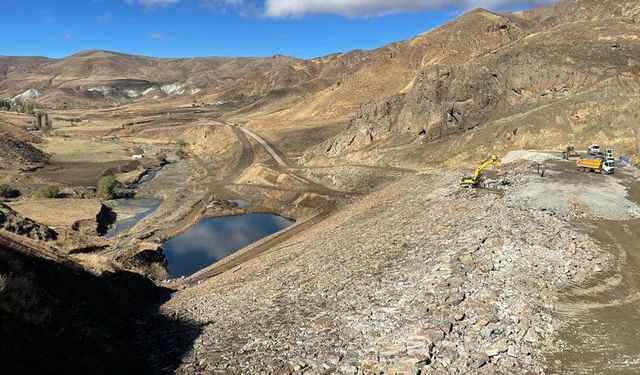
(473, 180)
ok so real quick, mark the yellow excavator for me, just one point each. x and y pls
(474, 180)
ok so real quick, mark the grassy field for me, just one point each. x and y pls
(84, 150)
(58, 212)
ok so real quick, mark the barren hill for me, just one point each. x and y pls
(483, 68)
(554, 80)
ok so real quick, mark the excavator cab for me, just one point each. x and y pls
(474, 180)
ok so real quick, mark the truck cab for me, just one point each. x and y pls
(609, 166)
(593, 149)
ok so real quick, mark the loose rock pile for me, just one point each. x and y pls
(416, 278)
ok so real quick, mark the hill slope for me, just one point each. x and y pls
(526, 77)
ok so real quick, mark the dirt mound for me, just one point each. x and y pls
(391, 285)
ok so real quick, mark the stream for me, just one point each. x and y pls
(129, 212)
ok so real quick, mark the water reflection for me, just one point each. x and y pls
(213, 239)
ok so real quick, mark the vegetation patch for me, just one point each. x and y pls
(50, 192)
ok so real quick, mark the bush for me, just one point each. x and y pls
(5, 191)
(106, 186)
(181, 153)
(162, 156)
(137, 150)
(47, 192)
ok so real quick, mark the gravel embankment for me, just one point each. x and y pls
(419, 276)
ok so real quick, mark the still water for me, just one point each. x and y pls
(215, 238)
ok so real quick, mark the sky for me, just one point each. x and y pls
(190, 28)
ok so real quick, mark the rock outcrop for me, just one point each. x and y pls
(11, 221)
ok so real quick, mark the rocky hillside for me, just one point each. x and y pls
(564, 73)
(100, 75)
(12, 222)
(60, 318)
(390, 285)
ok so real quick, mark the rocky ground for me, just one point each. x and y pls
(13, 222)
(419, 277)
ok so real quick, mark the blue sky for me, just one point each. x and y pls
(184, 28)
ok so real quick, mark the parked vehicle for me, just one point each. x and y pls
(593, 149)
(608, 155)
(596, 165)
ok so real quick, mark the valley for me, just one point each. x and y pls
(279, 215)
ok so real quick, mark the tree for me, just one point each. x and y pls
(39, 120)
(138, 150)
(47, 192)
(106, 186)
(5, 104)
(28, 108)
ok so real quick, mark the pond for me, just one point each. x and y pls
(215, 238)
(129, 212)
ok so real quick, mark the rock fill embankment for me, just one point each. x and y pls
(415, 278)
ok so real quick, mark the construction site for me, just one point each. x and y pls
(410, 209)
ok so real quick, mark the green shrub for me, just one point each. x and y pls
(181, 153)
(47, 192)
(181, 143)
(5, 190)
(137, 150)
(162, 156)
(106, 186)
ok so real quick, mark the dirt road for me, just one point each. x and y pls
(601, 334)
(268, 146)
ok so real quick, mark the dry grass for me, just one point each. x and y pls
(84, 150)
(58, 212)
(95, 264)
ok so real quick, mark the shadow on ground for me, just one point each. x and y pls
(57, 318)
